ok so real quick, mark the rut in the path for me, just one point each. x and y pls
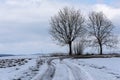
(78, 73)
(48, 75)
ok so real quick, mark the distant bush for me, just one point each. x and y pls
(58, 54)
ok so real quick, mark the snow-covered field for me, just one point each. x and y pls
(49, 68)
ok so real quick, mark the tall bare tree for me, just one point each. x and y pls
(100, 27)
(66, 26)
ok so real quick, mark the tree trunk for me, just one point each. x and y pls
(101, 49)
(70, 48)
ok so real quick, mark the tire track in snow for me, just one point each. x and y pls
(48, 75)
(61, 72)
(46, 72)
(77, 72)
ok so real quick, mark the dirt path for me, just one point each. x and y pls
(64, 70)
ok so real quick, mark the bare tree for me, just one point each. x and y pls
(66, 26)
(78, 47)
(100, 27)
(80, 44)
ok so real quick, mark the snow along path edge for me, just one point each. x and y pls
(42, 70)
(46, 72)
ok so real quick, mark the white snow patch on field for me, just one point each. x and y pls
(101, 68)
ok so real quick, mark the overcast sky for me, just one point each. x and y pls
(24, 24)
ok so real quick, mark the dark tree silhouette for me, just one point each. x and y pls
(101, 28)
(78, 47)
(81, 44)
(66, 26)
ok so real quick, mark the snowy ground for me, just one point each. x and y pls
(47, 68)
(101, 68)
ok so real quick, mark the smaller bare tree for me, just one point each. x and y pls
(79, 45)
(100, 27)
